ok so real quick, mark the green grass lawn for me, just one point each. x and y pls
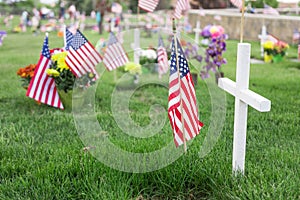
(42, 156)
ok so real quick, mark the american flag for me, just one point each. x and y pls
(42, 87)
(269, 10)
(148, 5)
(181, 6)
(182, 99)
(116, 8)
(69, 38)
(237, 3)
(162, 58)
(272, 38)
(82, 56)
(115, 55)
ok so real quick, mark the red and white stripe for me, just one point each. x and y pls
(114, 56)
(42, 87)
(192, 125)
(182, 106)
(148, 5)
(162, 58)
(83, 60)
(181, 6)
(237, 3)
(272, 38)
(268, 10)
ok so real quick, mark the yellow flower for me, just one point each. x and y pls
(60, 59)
(52, 72)
(269, 45)
(133, 68)
(91, 75)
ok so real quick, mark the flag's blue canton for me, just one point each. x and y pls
(69, 39)
(160, 42)
(45, 51)
(183, 65)
(112, 39)
(78, 41)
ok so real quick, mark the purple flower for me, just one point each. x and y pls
(206, 31)
(214, 56)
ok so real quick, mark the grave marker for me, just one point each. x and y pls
(263, 38)
(136, 46)
(197, 31)
(243, 98)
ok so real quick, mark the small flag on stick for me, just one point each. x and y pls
(269, 10)
(82, 56)
(182, 108)
(148, 5)
(181, 6)
(115, 55)
(42, 87)
(237, 3)
(162, 58)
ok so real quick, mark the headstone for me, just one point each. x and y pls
(263, 38)
(197, 31)
(243, 98)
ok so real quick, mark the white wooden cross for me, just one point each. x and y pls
(263, 38)
(127, 24)
(136, 46)
(243, 98)
(197, 31)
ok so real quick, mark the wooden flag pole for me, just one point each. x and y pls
(178, 72)
(242, 21)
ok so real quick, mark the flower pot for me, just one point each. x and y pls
(267, 58)
(277, 58)
(195, 78)
(69, 100)
(219, 75)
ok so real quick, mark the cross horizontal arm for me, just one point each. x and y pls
(256, 101)
(227, 85)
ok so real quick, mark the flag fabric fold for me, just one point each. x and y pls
(68, 39)
(182, 108)
(42, 88)
(82, 56)
(237, 3)
(148, 5)
(114, 55)
(181, 6)
(162, 58)
(269, 10)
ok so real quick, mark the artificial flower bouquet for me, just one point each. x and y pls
(65, 80)
(26, 73)
(275, 51)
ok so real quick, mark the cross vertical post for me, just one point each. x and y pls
(197, 30)
(136, 46)
(263, 38)
(241, 108)
(243, 98)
